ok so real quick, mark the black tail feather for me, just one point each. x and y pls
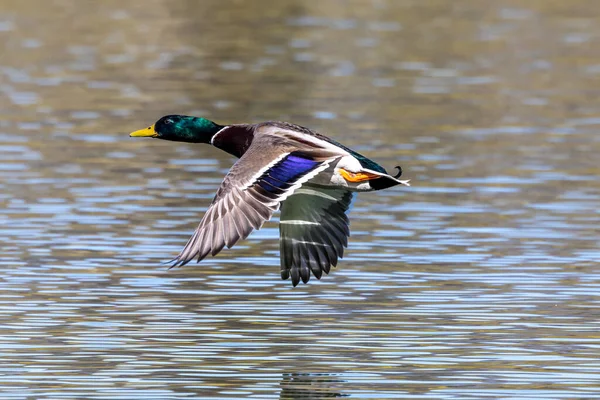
(399, 174)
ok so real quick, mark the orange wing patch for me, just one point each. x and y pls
(357, 177)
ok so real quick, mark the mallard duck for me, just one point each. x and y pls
(310, 176)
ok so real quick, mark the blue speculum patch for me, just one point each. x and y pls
(286, 172)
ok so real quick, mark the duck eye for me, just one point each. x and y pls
(168, 121)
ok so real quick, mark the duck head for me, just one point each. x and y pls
(180, 128)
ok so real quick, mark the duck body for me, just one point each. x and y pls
(309, 176)
(236, 139)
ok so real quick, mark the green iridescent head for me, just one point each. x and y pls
(181, 128)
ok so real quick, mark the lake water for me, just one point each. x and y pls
(481, 281)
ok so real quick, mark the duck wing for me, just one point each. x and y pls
(257, 183)
(314, 230)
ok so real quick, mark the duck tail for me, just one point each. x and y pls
(386, 180)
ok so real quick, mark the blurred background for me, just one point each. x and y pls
(479, 281)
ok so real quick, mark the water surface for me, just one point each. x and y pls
(480, 281)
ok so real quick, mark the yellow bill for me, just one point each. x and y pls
(148, 132)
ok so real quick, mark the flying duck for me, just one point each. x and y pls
(311, 177)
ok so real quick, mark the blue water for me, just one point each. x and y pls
(480, 281)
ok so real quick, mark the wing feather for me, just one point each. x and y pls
(313, 231)
(248, 196)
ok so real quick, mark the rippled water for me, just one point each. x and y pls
(480, 281)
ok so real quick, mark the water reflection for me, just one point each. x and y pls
(480, 281)
(311, 386)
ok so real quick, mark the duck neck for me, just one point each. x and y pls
(234, 139)
(200, 130)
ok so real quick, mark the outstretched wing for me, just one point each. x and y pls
(313, 231)
(248, 196)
